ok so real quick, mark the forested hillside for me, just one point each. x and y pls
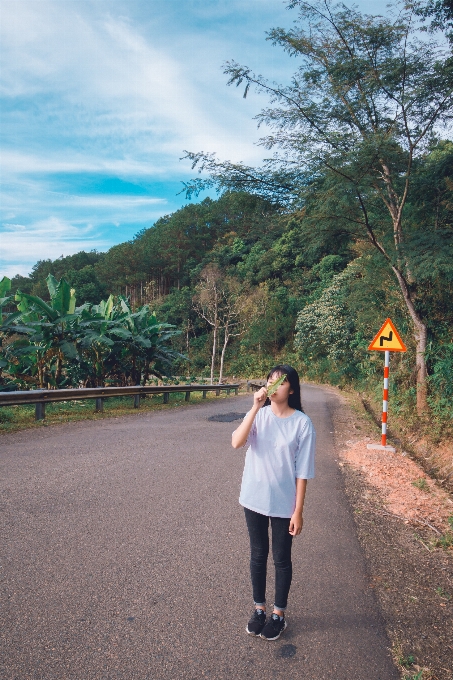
(301, 260)
(285, 290)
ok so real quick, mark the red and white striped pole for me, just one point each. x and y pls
(385, 398)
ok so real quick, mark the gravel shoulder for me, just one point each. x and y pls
(398, 525)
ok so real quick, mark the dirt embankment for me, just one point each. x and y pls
(406, 490)
(436, 458)
(403, 518)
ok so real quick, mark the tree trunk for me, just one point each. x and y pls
(420, 335)
(40, 373)
(135, 372)
(59, 369)
(214, 348)
(145, 373)
(225, 343)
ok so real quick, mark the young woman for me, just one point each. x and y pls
(279, 460)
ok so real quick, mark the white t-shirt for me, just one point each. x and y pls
(280, 450)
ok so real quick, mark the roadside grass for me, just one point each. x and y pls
(422, 484)
(15, 418)
(445, 541)
(443, 594)
(406, 661)
(408, 666)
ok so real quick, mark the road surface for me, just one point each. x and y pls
(124, 555)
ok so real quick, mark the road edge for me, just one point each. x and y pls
(397, 563)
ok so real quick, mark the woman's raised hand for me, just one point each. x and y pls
(239, 436)
(260, 397)
(241, 433)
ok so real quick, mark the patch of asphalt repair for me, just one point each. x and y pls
(226, 417)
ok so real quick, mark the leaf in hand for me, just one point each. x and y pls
(273, 387)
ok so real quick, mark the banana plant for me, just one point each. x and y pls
(5, 300)
(57, 343)
(6, 319)
(5, 287)
(143, 348)
(48, 329)
(95, 345)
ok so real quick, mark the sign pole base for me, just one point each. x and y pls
(379, 447)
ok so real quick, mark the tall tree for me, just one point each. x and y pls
(232, 315)
(207, 300)
(440, 14)
(364, 103)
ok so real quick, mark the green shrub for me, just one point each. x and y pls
(6, 415)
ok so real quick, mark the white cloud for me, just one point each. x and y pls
(88, 89)
(21, 163)
(46, 238)
(11, 270)
(119, 88)
(102, 75)
(115, 202)
(22, 246)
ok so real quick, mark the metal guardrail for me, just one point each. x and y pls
(42, 397)
(255, 385)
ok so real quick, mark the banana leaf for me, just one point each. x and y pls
(121, 333)
(273, 387)
(104, 308)
(25, 301)
(5, 300)
(52, 284)
(19, 328)
(6, 325)
(72, 301)
(142, 341)
(5, 286)
(68, 349)
(61, 295)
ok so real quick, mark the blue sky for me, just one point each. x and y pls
(99, 99)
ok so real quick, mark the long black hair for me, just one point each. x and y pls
(292, 377)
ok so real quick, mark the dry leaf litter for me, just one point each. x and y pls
(394, 474)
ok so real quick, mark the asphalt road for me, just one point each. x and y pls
(124, 555)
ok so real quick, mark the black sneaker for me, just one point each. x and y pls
(274, 627)
(256, 623)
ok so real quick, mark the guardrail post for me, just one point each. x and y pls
(166, 397)
(99, 405)
(236, 391)
(187, 396)
(217, 393)
(136, 401)
(40, 410)
(204, 394)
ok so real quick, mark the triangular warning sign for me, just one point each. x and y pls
(388, 338)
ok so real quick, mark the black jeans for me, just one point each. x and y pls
(258, 527)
